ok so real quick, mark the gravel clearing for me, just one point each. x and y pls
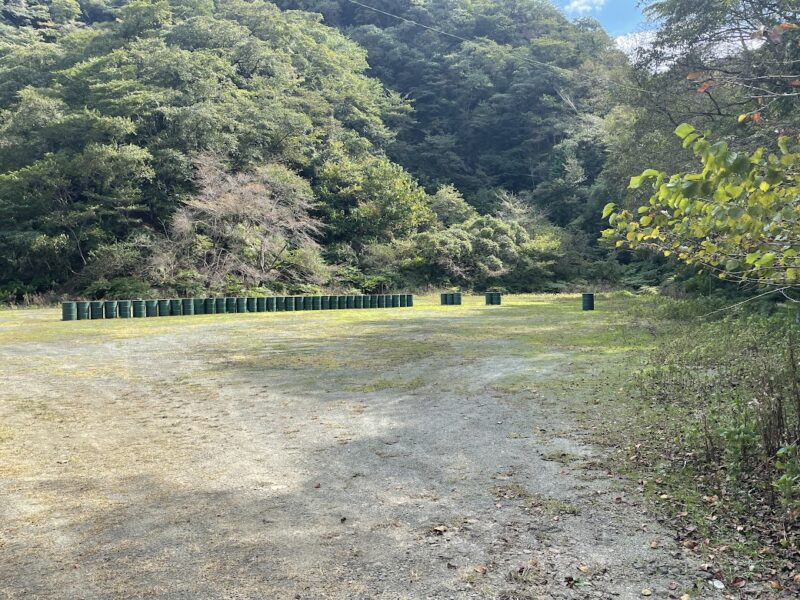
(406, 454)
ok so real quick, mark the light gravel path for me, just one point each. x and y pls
(409, 453)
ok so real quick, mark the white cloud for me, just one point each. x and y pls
(632, 42)
(583, 7)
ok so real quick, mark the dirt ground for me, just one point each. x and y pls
(425, 453)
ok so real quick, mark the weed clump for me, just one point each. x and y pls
(731, 388)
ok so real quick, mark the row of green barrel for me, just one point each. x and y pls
(124, 309)
(450, 299)
(494, 298)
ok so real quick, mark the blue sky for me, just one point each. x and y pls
(619, 17)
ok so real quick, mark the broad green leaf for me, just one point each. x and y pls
(689, 139)
(683, 130)
(766, 260)
(751, 258)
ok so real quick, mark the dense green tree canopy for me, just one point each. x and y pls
(448, 142)
(105, 108)
(506, 99)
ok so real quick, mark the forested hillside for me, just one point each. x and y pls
(511, 99)
(179, 146)
(183, 146)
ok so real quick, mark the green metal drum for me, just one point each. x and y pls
(381, 301)
(175, 307)
(187, 307)
(325, 302)
(373, 301)
(280, 303)
(241, 305)
(199, 306)
(220, 306)
(151, 308)
(251, 305)
(69, 311)
(588, 301)
(316, 303)
(341, 302)
(395, 300)
(261, 305)
(299, 303)
(444, 299)
(110, 309)
(163, 308)
(125, 309)
(210, 306)
(409, 300)
(350, 301)
(288, 303)
(96, 309)
(403, 301)
(308, 303)
(358, 302)
(83, 311)
(270, 304)
(230, 304)
(139, 310)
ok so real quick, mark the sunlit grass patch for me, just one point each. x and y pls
(388, 383)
